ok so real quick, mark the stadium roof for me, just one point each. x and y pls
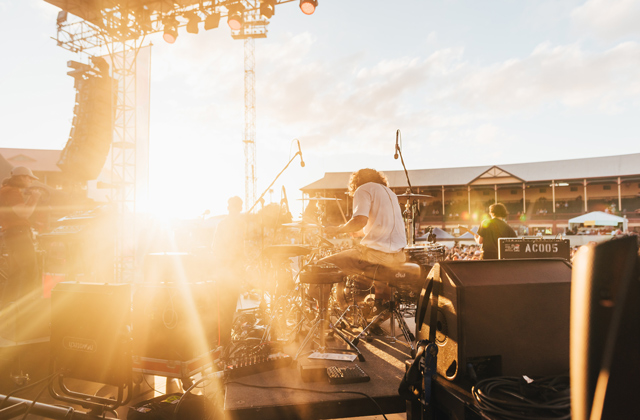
(556, 170)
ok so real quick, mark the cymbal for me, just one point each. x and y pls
(321, 199)
(286, 251)
(301, 225)
(413, 195)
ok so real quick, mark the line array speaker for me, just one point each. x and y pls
(90, 136)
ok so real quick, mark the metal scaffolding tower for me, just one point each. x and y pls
(250, 170)
(123, 161)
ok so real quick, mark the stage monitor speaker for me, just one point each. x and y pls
(90, 331)
(605, 331)
(175, 321)
(500, 317)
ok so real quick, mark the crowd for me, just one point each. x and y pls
(464, 252)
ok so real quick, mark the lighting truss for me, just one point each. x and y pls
(120, 27)
(97, 23)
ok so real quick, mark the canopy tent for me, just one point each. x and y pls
(467, 235)
(440, 235)
(598, 218)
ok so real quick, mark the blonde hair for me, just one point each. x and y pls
(365, 175)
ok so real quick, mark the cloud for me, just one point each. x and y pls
(565, 75)
(608, 19)
(348, 102)
(339, 102)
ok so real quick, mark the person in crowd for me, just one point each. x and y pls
(492, 229)
(15, 211)
(229, 261)
(377, 212)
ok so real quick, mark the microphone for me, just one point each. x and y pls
(300, 153)
(397, 148)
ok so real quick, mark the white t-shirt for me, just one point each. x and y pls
(385, 230)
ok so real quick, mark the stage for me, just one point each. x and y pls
(282, 394)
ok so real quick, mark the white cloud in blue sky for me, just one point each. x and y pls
(467, 82)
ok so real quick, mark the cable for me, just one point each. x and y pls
(514, 398)
(144, 378)
(112, 410)
(313, 391)
(187, 391)
(15, 391)
(33, 403)
(69, 413)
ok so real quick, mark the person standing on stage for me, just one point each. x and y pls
(229, 265)
(377, 211)
(15, 211)
(492, 229)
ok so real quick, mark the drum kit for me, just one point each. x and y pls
(306, 295)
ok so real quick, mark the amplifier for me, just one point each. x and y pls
(90, 331)
(520, 248)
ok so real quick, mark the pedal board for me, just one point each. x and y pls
(346, 375)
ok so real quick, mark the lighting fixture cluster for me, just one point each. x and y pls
(235, 17)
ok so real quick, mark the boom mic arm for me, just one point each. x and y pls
(399, 151)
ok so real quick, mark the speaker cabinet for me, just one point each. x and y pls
(175, 321)
(501, 317)
(605, 330)
(90, 331)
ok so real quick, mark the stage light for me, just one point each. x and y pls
(267, 8)
(192, 24)
(170, 30)
(235, 20)
(211, 21)
(170, 34)
(308, 6)
(62, 17)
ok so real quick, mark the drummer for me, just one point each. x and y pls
(376, 210)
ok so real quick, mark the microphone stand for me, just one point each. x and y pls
(411, 204)
(274, 181)
(260, 199)
(406, 173)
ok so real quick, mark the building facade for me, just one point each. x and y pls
(540, 196)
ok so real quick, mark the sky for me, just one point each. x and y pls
(466, 82)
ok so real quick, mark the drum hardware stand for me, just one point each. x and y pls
(395, 315)
(289, 302)
(320, 326)
(280, 302)
(357, 316)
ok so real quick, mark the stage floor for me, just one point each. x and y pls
(240, 399)
(282, 394)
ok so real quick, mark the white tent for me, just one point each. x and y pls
(598, 218)
(440, 235)
(467, 235)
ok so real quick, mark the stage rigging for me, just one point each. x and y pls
(120, 27)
